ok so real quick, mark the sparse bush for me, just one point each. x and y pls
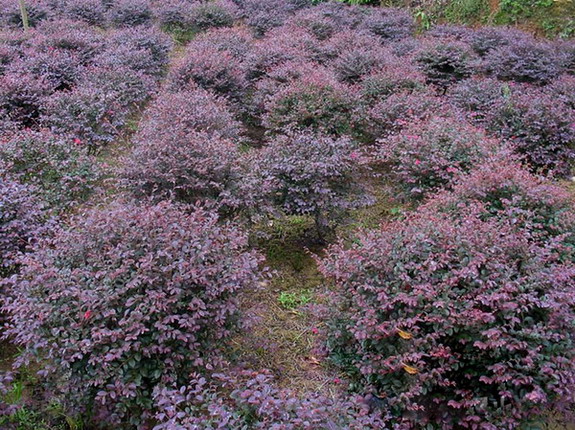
(389, 23)
(130, 298)
(312, 174)
(428, 155)
(59, 169)
(540, 126)
(354, 63)
(210, 68)
(256, 402)
(446, 63)
(524, 61)
(394, 77)
(129, 13)
(460, 321)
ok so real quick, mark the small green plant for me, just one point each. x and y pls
(423, 19)
(293, 300)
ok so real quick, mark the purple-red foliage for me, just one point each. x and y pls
(524, 60)
(317, 101)
(22, 97)
(219, 13)
(506, 189)
(173, 13)
(389, 23)
(428, 155)
(184, 165)
(21, 219)
(89, 11)
(540, 126)
(486, 39)
(263, 15)
(10, 16)
(129, 13)
(344, 15)
(445, 62)
(392, 113)
(563, 89)
(457, 321)
(79, 40)
(210, 68)
(236, 40)
(127, 299)
(477, 96)
(143, 49)
(256, 403)
(313, 174)
(59, 170)
(355, 62)
(317, 23)
(395, 76)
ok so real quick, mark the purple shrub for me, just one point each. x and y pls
(184, 165)
(393, 77)
(88, 114)
(219, 13)
(486, 39)
(174, 115)
(58, 169)
(58, 68)
(312, 174)
(524, 61)
(539, 125)
(21, 219)
(428, 155)
(22, 98)
(7, 55)
(318, 101)
(210, 68)
(355, 62)
(389, 23)
(89, 11)
(567, 52)
(263, 15)
(129, 13)
(393, 113)
(563, 89)
(145, 50)
(130, 298)
(78, 40)
(172, 14)
(446, 62)
(477, 96)
(345, 16)
(317, 23)
(450, 32)
(236, 40)
(38, 11)
(458, 322)
(504, 188)
(256, 403)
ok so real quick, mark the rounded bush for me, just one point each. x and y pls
(210, 68)
(564, 90)
(127, 299)
(355, 62)
(428, 155)
(445, 63)
(129, 13)
(220, 13)
(236, 40)
(185, 165)
(89, 11)
(10, 16)
(389, 23)
(486, 39)
(317, 101)
(313, 174)
(264, 15)
(478, 96)
(540, 126)
(78, 40)
(173, 14)
(459, 322)
(392, 78)
(59, 169)
(524, 61)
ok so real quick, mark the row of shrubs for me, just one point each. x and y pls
(459, 314)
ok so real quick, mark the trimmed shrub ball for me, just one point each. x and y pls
(127, 299)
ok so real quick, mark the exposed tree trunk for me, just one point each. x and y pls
(24, 15)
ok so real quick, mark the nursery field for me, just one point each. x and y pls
(283, 215)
